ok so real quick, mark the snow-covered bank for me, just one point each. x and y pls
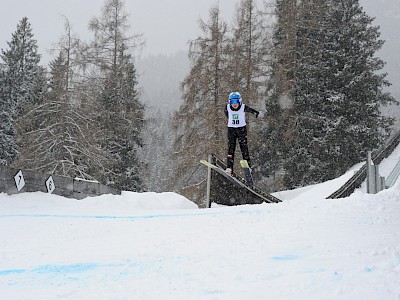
(124, 204)
(160, 246)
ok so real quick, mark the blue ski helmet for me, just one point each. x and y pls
(235, 98)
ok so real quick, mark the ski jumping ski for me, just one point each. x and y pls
(247, 172)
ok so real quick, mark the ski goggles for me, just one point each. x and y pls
(234, 101)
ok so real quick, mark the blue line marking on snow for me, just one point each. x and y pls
(143, 217)
(11, 272)
(50, 274)
(66, 269)
(54, 269)
(285, 257)
(89, 217)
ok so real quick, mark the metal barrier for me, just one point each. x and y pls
(13, 181)
(392, 178)
(354, 182)
(375, 182)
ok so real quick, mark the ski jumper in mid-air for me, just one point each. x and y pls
(235, 111)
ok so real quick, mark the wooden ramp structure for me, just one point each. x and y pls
(227, 192)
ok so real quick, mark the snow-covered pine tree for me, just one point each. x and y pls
(358, 81)
(200, 122)
(19, 82)
(121, 111)
(337, 91)
(56, 136)
(8, 148)
(279, 100)
(308, 91)
(123, 118)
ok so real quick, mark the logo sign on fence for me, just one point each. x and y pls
(19, 180)
(50, 185)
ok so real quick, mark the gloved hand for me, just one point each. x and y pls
(261, 114)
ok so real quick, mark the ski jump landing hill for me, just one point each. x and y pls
(224, 192)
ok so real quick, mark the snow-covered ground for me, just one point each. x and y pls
(161, 246)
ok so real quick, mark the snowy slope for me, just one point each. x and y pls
(161, 246)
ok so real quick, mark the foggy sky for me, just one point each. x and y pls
(167, 25)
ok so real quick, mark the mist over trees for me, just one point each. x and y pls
(160, 77)
(98, 112)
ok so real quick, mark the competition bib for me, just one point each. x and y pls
(236, 118)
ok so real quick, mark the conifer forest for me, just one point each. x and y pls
(312, 66)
